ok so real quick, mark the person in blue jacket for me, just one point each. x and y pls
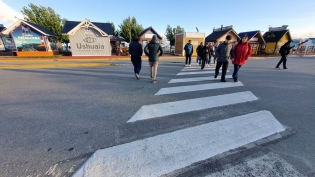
(189, 50)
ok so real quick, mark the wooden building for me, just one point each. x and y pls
(219, 34)
(255, 39)
(182, 39)
(146, 35)
(89, 38)
(275, 38)
(31, 39)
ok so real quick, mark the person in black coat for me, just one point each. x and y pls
(135, 51)
(284, 51)
(205, 55)
(199, 52)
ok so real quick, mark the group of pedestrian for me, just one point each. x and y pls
(153, 50)
(222, 53)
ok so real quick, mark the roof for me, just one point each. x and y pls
(214, 36)
(251, 34)
(275, 36)
(312, 39)
(105, 27)
(2, 28)
(147, 29)
(41, 28)
(35, 26)
(117, 38)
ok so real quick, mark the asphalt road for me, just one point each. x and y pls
(53, 120)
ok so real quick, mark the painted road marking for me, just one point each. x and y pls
(165, 153)
(177, 107)
(196, 69)
(193, 79)
(191, 88)
(198, 72)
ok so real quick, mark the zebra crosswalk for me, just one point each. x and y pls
(165, 153)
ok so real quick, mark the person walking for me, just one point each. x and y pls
(199, 51)
(211, 54)
(153, 50)
(189, 50)
(284, 51)
(224, 52)
(215, 46)
(242, 51)
(135, 51)
(205, 55)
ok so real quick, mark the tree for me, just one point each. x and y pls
(129, 28)
(115, 31)
(171, 33)
(46, 17)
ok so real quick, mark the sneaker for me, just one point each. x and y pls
(215, 76)
(189, 65)
(137, 77)
(235, 80)
(186, 65)
(277, 67)
(223, 80)
(154, 81)
(285, 68)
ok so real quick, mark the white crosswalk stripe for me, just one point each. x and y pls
(194, 79)
(199, 87)
(198, 72)
(177, 107)
(165, 153)
(196, 69)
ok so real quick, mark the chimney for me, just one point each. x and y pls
(221, 27)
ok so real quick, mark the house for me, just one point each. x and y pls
(146, 35)
(256, 39)
(31, 39)
(89, 38)
(182, 38)
(219, 34)
(275, 38)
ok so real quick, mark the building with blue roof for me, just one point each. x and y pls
(255, 39)
(89, 38)
(31, 39)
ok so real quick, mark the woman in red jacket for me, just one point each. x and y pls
(243, 51)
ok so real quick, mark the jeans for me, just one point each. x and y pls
(205, 57)
(153, 70)
(284, 60)
(188, 58)
(236, 68)
(224, 68)
(208, 59)
(136, 61)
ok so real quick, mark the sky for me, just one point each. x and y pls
(244, 15)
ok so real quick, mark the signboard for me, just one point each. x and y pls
(254, 39)
(283, 27)
(148, 35)
(89, 43)
(27, 39)
(223, 28)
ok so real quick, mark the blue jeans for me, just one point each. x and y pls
(136, 61)
(208, 60)
(236, 68)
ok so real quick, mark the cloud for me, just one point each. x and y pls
(7, 14)
(302, 33)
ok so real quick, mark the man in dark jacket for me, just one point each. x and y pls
(284, 51)
(153, 50)
(199, 51)
(135, 51)
(224, 52)
(189, 50)
(205, 55)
